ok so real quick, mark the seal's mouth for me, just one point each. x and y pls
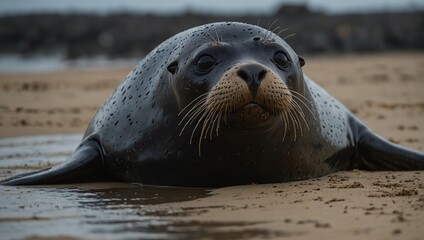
(248, 116)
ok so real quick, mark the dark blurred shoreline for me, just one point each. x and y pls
(131, 35)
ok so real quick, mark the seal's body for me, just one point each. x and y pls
(222, 104)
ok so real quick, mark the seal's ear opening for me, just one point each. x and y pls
(172, 67)
(301, 61)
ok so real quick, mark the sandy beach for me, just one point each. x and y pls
(386, 91)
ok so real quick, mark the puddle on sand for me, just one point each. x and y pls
(101, 211)
(98, 210)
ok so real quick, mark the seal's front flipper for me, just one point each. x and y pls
(376, 153)
(85, 164)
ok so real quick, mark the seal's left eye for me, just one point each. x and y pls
(205, 63)
(280, 60)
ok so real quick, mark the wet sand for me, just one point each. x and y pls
(386, 91)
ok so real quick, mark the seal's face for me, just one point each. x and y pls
(240, 79)
(250, 93)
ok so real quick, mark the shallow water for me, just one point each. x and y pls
(116, 211)
(94, 210)
(15, 63)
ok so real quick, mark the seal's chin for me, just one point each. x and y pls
(248, 116)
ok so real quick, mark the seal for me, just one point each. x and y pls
(217, 105)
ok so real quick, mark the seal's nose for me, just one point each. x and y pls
(252, 74)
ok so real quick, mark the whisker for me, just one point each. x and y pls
(216, 121)
(207, 123)
(213, 39)
(289, 114)
(297, 107)
(282, 30)
(304, 104)
(299, 94)
(225, 113)
(217, 36)
(188, 118)
(193, 109)
(269, 27)
(302, 114)
(212, 125)
(197, 125)
(275, 29)
(194, 129)
(192, 118)
(192, 102)
(301, 98)
(288, 36)
(206, 39)
(283, 117)
(299, 125)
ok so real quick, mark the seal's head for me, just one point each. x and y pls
(238, 74)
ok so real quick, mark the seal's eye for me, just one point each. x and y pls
(280, 60)
(205, 63)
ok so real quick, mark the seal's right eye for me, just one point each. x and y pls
(205, 63)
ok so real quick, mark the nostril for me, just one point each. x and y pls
(242, 74)
(262, 74)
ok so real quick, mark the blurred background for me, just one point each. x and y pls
(47, 35)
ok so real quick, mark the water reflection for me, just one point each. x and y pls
(105, 210)
(113, 211)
